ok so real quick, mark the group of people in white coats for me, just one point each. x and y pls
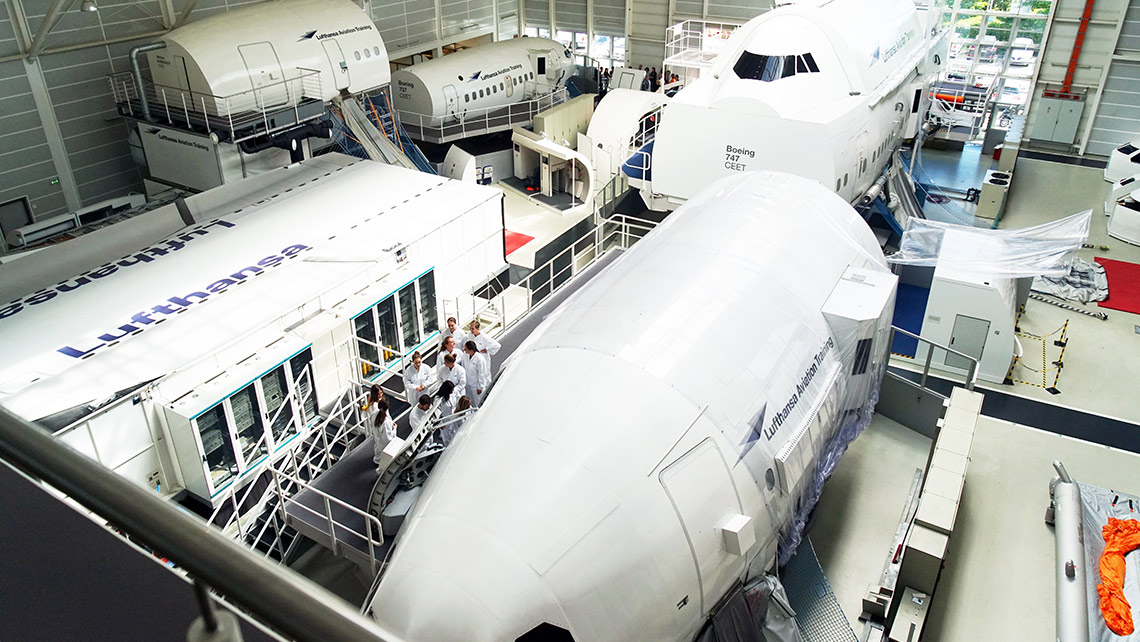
(464, 367)
(470, 353)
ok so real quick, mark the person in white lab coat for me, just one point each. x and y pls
(453, 331)
(449, 347)
(448, 395)
(382, 430)
(479, 375)
(484, 344)
(417, 377)
(419, 411)
(447, 433)
(375, 394)
(450, 370)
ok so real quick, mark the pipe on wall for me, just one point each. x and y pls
(144, 105)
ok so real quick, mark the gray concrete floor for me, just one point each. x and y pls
(1102, 360)
(955, 170)
(998, 581)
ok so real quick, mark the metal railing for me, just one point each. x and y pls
(696, 43)
(971, 371)
(373, 535)
(516, 301)
(285, 601)
(469, 122)
(605, 199)
(253, 112)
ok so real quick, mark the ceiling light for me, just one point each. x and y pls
(88, 6)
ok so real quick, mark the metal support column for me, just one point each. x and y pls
(52, 133)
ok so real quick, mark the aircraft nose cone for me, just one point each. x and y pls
(459, 584)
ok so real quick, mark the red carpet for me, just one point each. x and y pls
(515, 240)
(1123, 285)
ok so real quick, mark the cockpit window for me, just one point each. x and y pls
(766, 68)
(546, 632)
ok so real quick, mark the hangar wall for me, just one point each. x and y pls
(62, 146)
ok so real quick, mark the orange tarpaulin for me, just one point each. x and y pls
(1120, 537)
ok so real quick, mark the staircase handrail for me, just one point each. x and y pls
(289, 603)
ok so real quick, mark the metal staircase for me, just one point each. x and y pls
(257, 516)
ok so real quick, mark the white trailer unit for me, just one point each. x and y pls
(626, 470)
(972, 312)
(198, 359)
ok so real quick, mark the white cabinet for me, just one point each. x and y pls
(1057, 119)
(227, 426)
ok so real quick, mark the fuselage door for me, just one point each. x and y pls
(704, 496)
(452, 98)
(265, 76)
(510, 85)
(340, 78)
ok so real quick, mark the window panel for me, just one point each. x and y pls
(389, 335)
(303, 384)
(216, 445)
(968, 27)
(428, 313)
(601, 47)
(1031, 28)
(247, 424)
(1040, 7)
(365, 328)
(409, 321)
(998, 28)
(275, 391)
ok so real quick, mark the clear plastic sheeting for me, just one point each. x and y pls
(1041, 250)
(1086, 282)
(759, 612)
(853, 425)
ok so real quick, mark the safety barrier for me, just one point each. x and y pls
(266, 109)
(971, 371)
(463, 123)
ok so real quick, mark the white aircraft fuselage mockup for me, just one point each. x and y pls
(198, 357)
(629, 465)
(824, 89)
(474, 80)
(253, 49)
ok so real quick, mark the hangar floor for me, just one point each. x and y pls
(998, 583)
(1102, 360)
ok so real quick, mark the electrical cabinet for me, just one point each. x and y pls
(228, 425)
(991, 201)
(1057, 119)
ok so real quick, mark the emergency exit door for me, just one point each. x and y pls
(969, 337)
(339, 63)
(702, 493)
(452, 99)
(265, 75)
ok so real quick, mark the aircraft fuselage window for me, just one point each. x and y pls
(766, 68)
